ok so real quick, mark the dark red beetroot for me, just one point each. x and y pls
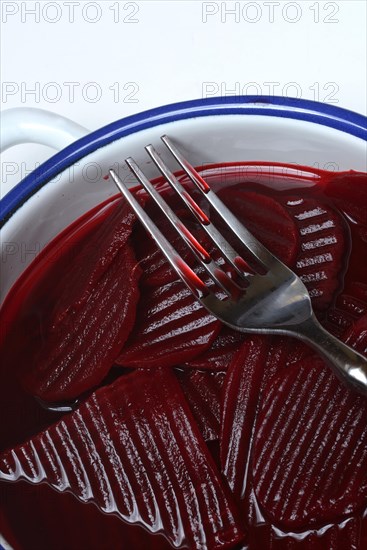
(267, 219)
(93, 315)
(244, 392)
(324, 248)
(172, 327)
(220, 353)
(203, 392)
(134, 449)
(90, 262)
(259, 358)
(310, 451)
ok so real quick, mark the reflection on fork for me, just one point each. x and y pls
(269, 298)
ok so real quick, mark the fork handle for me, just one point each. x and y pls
(349, 365)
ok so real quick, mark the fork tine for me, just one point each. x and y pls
(183, 270)
(203, 257)
(258, 251)
(223, 245)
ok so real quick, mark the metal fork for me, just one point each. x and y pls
(275, 301)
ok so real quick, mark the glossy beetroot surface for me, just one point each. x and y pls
(184, 433)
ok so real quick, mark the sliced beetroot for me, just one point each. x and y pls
(80, 348)
(133, 449)
(310, 456)
(171, 327)
(260, 358)
(91, 257)
(241, 393)
(310, 450)
(202, 390)
(324, 248)
(152, 261)
(267, 219)
(219, 355)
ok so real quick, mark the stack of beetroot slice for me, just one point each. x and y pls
(214, 438)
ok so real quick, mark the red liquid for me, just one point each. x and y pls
(231, 409)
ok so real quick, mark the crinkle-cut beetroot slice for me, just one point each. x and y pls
(240, 397)
(202, 390)
(91, 258)
(78, 352)
(324, 247)
(310, 455)
(310, 450)
(267, 220)
(260, 358)
(133, 448)
(219, 355)
(171, 327)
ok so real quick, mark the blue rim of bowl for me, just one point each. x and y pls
(300, 109)
(311, 111)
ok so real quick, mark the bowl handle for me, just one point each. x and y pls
(26, 125)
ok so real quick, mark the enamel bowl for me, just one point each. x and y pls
(223, 129)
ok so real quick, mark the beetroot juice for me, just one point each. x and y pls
(132, 418)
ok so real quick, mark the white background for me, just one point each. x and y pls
(96, 62)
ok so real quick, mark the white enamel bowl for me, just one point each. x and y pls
(208, 131)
